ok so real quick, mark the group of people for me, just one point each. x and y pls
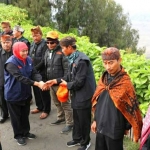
(47, 64)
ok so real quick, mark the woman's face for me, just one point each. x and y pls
(24, 53)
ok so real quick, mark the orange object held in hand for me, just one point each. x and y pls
(62, 93)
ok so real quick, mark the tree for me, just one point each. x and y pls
(102, 20)
(67, 14)
(39, 10)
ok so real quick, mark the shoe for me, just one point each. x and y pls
(21, 141)
(2, 120)
(43, 115)
(85, 147)
(66, 129)
(29, 136)
(57, 122)
(73, 143)
(34, 111)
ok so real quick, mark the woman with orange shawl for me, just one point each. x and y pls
(114, 104)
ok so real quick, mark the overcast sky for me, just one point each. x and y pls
(139, 14)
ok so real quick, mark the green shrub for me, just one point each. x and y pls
(137, 66)
(130, 145)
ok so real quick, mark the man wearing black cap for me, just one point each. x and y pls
(5, 53)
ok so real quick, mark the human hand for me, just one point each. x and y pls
(64, 83)
(41, 84)
(45, 87)
(126, 132)
(51, 82)
(93, 127)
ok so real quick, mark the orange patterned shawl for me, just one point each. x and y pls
(123, 95)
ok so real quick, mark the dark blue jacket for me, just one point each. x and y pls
(14, 89)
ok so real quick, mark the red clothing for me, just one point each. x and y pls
(17, 47)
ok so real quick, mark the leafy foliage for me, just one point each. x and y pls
(137, 66)
(130, 145)
(14, 14)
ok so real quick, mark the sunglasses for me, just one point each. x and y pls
(50, 42)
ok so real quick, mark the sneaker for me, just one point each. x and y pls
(2, 120)
(73, 143)
(85, 147)
(21, 141)
(29, 136)
(66, 129)
(57, 122)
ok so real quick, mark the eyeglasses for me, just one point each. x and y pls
(50, 42)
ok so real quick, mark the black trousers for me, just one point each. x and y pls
(82, 125)
(19, 114)
(3, 104)
(105, 143)
(42, 99)
(0, 146)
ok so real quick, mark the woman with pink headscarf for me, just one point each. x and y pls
(20, 75)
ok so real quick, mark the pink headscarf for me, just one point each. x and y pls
(17, 47)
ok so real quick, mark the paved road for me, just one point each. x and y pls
(48, 137)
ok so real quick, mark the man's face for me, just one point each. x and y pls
(67, 50)
(51, 45)
(16, 33)
(5, 28)
(37, 38)
(112, 66)
(6, 45)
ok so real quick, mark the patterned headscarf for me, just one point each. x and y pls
(111, 53)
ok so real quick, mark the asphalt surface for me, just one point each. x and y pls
(48, 137)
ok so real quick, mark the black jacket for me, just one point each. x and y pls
(81, 82)
(9, 33)
(56, 63)
(110, 121)
(22, 39)
(3, 58)
(37, 52)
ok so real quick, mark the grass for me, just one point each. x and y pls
(130, 145)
